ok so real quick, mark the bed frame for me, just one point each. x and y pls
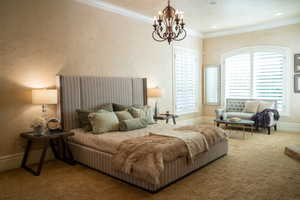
(86, 92)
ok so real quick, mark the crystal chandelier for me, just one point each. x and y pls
(169, 25)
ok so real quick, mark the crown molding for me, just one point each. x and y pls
(128, 13)
(247, 29)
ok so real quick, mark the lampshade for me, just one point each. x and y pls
(154, 92)
(44, 96)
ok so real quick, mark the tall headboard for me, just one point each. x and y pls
(89, 92)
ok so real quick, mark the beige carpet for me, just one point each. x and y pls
(256, 168)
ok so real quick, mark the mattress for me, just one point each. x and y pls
(108, 142)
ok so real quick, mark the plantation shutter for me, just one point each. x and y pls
(186, 80)
(257, 74)
(268, 76)
(238, 76)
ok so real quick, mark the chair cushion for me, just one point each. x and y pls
(241, 115)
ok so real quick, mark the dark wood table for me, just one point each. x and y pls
(166, 117)
(58, 144)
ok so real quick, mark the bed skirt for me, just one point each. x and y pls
(173, 171)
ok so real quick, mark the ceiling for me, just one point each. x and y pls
(218, 15)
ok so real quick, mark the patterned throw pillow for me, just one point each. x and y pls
(145, 112)
(104, 122)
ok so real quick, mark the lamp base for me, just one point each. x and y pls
(156, 109)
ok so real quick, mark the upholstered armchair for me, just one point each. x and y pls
(236, 108)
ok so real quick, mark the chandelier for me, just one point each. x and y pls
(169, 25)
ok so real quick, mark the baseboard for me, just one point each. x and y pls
(13, 161)
(289, 126)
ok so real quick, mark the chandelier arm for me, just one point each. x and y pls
(158, 33)
(158, 40)
(181, 38)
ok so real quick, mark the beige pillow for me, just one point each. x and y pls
(123, 115)
(104, 122)
(265, 105)
(251, 106)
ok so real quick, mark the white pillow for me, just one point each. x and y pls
(251, 106)
(265, 105)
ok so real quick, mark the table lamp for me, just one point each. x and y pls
(44, 97)
(155, 93)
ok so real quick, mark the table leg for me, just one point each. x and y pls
(244, 133)
(42, 159)
(174, 120)
(25, 157)
(167, 120)
(38, 172)
(52, 144)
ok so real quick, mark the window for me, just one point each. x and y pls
(258, 73)
(212, 83)
(186, 75)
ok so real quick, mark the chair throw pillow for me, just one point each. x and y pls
(251, 106)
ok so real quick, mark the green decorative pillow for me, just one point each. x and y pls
(119, 107)
(145, 112)
(83, 118)
(104, 122)
(132, 124)
(123, 115)
(108, 107)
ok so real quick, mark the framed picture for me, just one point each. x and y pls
(297, 63)
(297, 83)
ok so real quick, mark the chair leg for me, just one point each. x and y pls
(269, 130)
(275, 127)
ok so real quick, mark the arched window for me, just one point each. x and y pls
(257, 73)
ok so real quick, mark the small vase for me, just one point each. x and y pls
(39, 130)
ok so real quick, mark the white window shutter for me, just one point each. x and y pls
(186, 80)
(257, 74)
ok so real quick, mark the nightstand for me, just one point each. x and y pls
(166, 117)
(58, 144)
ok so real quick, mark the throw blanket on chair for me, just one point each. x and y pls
(262, 119)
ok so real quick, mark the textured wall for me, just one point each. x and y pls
(41, 38)
(287, 36)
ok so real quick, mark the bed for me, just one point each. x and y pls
(85, 92)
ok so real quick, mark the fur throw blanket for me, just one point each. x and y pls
(143, 157)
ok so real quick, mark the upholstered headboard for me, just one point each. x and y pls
(87, 92)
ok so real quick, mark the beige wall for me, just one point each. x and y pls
(41, 38)
(287, 36)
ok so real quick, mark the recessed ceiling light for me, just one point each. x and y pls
(279, 13)
(212, 2)
(213, 26)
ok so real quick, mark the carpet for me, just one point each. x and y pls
(254, 169)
